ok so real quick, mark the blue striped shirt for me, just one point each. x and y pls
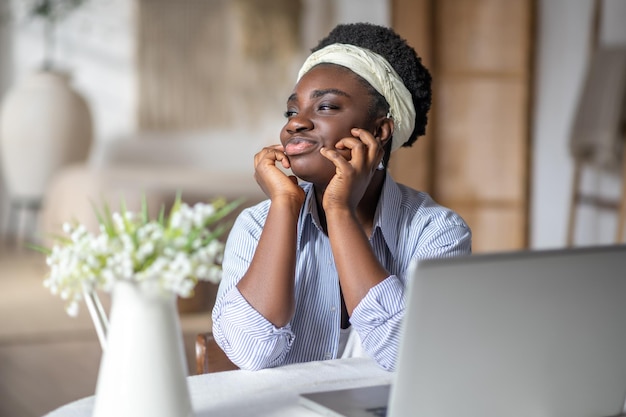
(408, 224)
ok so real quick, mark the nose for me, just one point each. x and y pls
(298, 123)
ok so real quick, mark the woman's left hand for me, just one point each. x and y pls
(352, 176)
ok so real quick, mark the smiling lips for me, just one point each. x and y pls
(299, 147)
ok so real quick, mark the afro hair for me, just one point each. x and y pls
(402, 57)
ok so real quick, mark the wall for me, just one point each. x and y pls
(5, 45)
(97, 45)
(563, 36)
(322, 15)
(374, 11)
(6, 73)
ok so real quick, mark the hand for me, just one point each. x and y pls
(352, 176)
(274, 182)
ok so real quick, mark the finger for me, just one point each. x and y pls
(352, 149)
(279, 148)
(281, 156)
(367, 138)
(375, 149)
(270, 153)
(335, 157)
(349, 143)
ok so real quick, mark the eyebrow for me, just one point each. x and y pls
(321, 93)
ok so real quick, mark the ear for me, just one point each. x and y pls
(384, 130)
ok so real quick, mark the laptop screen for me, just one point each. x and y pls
(519, 334)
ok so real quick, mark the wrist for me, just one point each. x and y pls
(291, 203)
(340, 214)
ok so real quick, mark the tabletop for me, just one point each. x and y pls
(266, 393)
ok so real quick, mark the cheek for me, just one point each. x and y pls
(284, 137)
(333, 134)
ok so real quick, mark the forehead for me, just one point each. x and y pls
(327, 75)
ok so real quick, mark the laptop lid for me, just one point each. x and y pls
(519, 334)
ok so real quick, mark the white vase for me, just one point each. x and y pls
(44, 125)
(143, 370)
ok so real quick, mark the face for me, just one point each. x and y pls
(326, 104)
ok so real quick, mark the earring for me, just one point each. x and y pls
(381, 166)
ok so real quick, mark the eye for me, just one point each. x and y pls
(328, 106)
(290, 113)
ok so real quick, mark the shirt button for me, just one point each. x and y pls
(333, 309)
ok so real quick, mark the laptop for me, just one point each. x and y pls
(513, 334)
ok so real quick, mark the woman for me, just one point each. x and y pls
(322, 263)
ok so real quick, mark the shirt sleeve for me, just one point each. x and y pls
(249, 340)
(378, 317)
(445, 238)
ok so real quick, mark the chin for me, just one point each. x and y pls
(302, 175)
(312, 169)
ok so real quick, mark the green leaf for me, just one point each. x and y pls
(161, 217)
(128, 225)
(224, 211)
(217, 232)
(105, 219)
(193, 235)
(41, 249)
(145, 218)
(176, 206)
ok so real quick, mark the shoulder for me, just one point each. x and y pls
(421, 217)
(417, 205)
(254, 214)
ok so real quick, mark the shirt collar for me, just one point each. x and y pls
(308, 215)
(385, 219)
(387, 212)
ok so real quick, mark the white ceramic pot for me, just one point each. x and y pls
(44, 125)
(143, 370)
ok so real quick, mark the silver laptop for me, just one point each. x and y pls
(519, 334)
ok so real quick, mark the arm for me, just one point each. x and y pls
(374, 296)
(268, 284)
(348, 213)
(378, 317)
(255, 301)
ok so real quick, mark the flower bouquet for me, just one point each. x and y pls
(144, 263)
(174, 251)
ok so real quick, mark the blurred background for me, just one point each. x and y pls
(192, 89)
(147, 97)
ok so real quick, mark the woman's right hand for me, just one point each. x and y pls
(274, 182)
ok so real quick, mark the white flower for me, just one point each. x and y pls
(174, 252)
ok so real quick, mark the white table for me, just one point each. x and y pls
(266, 393)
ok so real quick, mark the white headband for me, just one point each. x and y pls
(380, 74)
